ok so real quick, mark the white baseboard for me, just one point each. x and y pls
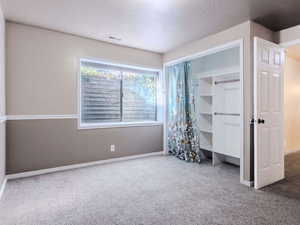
(247, 183)
(2, 187)
(291, 151)
(2, 119)
(80, 165)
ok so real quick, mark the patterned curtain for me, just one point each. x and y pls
(183, 136)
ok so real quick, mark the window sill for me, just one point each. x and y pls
(119, 125)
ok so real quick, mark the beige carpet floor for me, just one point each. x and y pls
(149, 191)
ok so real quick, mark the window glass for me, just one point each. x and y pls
(139, 101)
(116, 94)
(100, 95)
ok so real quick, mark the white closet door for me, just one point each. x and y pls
(268, 104)
(226, 120)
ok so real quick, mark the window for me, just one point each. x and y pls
(116, 94)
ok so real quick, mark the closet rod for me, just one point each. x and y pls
(226, 81)
(226, 114)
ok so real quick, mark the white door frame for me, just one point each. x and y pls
(240, 43)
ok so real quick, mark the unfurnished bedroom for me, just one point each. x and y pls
(142, 112)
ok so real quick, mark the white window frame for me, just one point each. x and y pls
(159, 107)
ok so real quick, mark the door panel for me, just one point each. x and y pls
(275, 157)
(264, 144)
(275, 90)
(268, 103)
(264, 86)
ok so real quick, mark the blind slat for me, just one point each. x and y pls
(101, 94)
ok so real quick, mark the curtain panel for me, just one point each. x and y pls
(183, 134)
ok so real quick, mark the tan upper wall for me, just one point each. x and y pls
(2, 64)
(288, 35)
(229, 35)
(241, 31)
(42, 68)
(2, 98)
(292, 104)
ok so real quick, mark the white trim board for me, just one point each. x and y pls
(3, 187)
(159, 95)
(247, 183)
(120, 125)
(112, 63)
(80, 165)
(205, 52)
(41, 117)
(290, 43)
(290, 151)
(2, 119)
(82, 127)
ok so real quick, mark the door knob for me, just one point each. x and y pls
(260, 121)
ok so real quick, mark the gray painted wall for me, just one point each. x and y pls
(42, 71)
(41, 144)
(2, 152)
(2, 97)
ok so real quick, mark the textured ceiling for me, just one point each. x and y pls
(156, 25)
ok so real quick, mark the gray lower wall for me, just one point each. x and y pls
(2, 152)
(2, 98)
(41, 144)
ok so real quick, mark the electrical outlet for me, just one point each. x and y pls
(112, 148)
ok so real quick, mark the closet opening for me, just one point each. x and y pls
(204, 119)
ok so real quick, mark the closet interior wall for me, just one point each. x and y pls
(217, 92)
